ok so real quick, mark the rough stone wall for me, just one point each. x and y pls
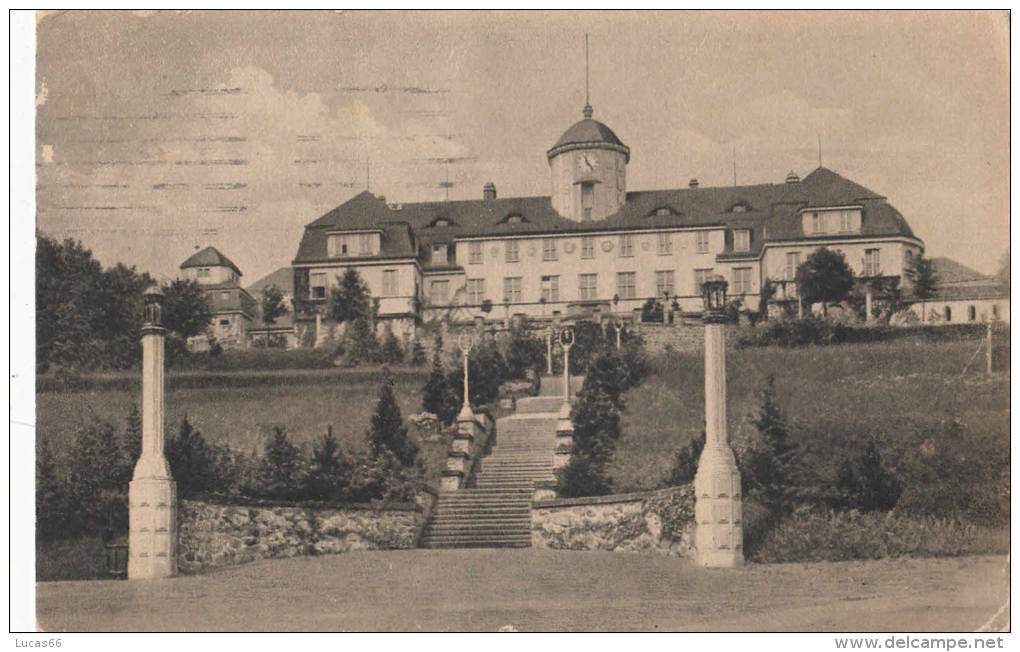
(211, 535)
(657, 521)
(685, 334)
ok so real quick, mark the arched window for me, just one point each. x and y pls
(971, 313)
(949, 314)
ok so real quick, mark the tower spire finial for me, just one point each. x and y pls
(587, 99)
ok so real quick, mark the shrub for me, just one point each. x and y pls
(825, 535)
(55, 517)
(417, 354)
(524, 354)
(675, 511)
(685, 464)
(281, 472)
(329, 473)
(197, 466)
(596, 418)
(391, 352)
(97, 488)
(359, 344)
(436, 395)
(387, 432)
(768, 467)
(652, 311)
(863, 484)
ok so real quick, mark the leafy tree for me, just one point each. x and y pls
(486, 372)
(185, 309)
(924, 277)
(768, 468)
(98, 478)
(1003, 274)
(864, 484)
(54, 519)
(387, 431)
(273, 305)
(417, 354)
(350, 300)
(131, 446)
(524, 353)
(824, 277)
(436, 395)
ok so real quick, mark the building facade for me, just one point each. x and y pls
(233, 308)
(593, 247)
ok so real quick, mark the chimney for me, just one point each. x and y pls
(489, 191)
(792, 177)
(693, 183)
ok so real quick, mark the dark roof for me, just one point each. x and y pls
(210, 257)
(991, 290)
(237, 299)
(771, 212)
(282, 278)
(949, 271)
(587, 132)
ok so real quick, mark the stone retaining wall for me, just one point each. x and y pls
(212, 534)
(655, 521)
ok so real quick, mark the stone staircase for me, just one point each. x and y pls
(496, 512)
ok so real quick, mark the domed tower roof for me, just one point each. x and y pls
(588, 133)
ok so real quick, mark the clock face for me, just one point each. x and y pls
(586, 162)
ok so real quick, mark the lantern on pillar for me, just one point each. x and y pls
(717, 496)
(465, 342)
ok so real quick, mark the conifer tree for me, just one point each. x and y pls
(769, 469)
(434, 395)
(387, 431)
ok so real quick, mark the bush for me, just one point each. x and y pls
(329, 474)
(524, 354)
(685, 464)
(437, 397)
(824, 535)
(596, 418)
(822, 332)
(417, 354)
(391, 352)
(486, 372)
(768, 466)
(281, 472)
(865, 485)
(197, 466)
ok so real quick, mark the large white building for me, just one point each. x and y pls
(591, 245)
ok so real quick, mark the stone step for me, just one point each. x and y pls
(476, 529)
(479, 543)
(464, 518)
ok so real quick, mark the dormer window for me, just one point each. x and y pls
(439, 254)
(742, 240)
(441, 221)
(740, 207)
(340, 245)
(514, 218)
(587, 201)
(832, 220)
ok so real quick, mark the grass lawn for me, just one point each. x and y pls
(828, 394)
(240, 409)
(539, 590)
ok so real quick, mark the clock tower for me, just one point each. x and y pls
(589, 171)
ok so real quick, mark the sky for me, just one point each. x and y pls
(161, 132)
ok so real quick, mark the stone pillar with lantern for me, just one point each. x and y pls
(564, 426)
(458, 461)
(152, 493)
(718, 537)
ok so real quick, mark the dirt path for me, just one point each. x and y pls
(539, 590)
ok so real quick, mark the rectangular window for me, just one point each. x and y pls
(550, 288)
(844, 221)
(741, 280)
(587, 200)
(664, 283)
(548, 249)
(817, 222)
(475, 253)
(317, 281)
(439, 256)
(792, 263)
(438, 292)
(741, 240)
(512, 289)
(626, 283)
(225, 296)
(203, 272)
(872, 266)
(626, 245)
(587, 247)
(701, 242)
(700, 276)
(513, 253)
(587, 286)
(389, 282)
(475, 291)
(665, 244)
(224, 322)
